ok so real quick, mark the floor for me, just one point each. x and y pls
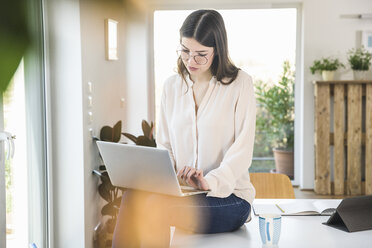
(310, 194)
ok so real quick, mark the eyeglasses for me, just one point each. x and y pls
(199, 59)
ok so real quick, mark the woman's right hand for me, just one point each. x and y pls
(192, 177)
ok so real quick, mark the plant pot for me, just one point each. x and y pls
(284, 162)
(360, 74)
(328, 75)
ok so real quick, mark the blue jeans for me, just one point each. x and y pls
(144, 218)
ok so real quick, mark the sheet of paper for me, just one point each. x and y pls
(265, 208)
(321, 205)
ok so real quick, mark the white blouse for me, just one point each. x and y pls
(217, 138)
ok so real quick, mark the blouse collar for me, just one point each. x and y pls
(190, 83)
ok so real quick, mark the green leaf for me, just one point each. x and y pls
(109, 209)
(145, 141)
(106, 133)
(104, 193)
(116, 132)
(15, 38)
(146, 128)
(131, 137)
(117, 202)
(111, 134)
(106, 181)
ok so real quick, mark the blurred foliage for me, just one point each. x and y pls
(8, 185)
(14, 38)
(262, 166)
(275, 119)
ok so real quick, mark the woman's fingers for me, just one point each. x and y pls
(190, 173)
(199, 173)
(180, 172)
(192, 177)
(180, 176)
(185, 172)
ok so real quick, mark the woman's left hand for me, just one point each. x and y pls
(193, 177)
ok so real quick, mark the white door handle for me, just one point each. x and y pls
(8, 138)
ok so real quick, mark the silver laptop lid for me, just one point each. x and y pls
(139, 167)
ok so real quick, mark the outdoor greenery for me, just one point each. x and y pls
(262, 165)
(359, 59)
(325, 64)
(275, 118)
(7, 99)
(8, 186)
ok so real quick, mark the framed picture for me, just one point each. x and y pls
(111, 39)
(367, 40)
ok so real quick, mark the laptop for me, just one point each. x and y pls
(142, 168)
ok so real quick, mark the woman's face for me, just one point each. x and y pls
(196, 57)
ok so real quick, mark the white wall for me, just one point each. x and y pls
(108, 88)
(138, 81)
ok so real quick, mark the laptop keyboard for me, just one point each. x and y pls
(187, 189)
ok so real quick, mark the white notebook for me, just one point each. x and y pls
(296, 207)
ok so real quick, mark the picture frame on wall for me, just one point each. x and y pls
(111, 39)
(367, 40)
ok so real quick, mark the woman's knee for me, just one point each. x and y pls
(156, 206)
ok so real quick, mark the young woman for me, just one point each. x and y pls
(207, 123)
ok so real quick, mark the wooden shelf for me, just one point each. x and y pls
(351, 101)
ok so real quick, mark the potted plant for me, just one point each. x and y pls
(277, 118)
(110, 193)
(327, 67)
(359, 60)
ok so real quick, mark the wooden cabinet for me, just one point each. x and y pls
(343, 121)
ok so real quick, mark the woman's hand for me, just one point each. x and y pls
(192, 177)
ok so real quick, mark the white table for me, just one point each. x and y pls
(296, 232)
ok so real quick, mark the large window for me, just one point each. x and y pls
(260, 40)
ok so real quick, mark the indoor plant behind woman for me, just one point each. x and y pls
(277, 119)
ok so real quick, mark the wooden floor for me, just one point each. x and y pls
(310, 194)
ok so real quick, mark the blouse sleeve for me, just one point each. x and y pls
(238, 158)
(162, 137)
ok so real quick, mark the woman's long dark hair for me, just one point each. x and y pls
(207, 27)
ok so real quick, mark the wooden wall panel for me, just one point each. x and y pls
(368, 165)
(339, 130)
(322, 126)
(354, 139)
